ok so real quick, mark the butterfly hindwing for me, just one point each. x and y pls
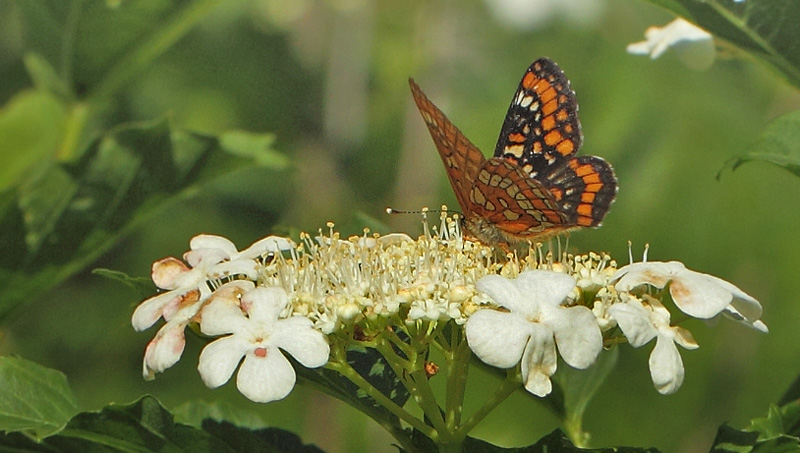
(516, 204)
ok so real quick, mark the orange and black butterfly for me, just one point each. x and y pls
(534, 186)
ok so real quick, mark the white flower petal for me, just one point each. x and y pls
(222, 316)
(395, 238)
(697, 296)
(202, 259)
(210, 241)
(734, 314)
(497, 338)
(666, 366)
(164, 350)
(684, 338)
(743, 303)
(545, 287)
(266, 245)
(651, 272)
(265, 379)
(165, 272)
(760, 326)
(219, 360)
(577, 335)
(297, 337)
(149, 311)
(247, 268)
(634, 320)
(504, 293)
(693, 44)
(265, 304)
(539, 361)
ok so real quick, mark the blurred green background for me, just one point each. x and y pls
(329, 79)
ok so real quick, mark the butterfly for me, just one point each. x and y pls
(534, 186)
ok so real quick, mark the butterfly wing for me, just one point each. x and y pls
(541, 126)
(461, 158)
(542, 132)
(515, 204)
(584, 188)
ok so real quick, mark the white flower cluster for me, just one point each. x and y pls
(279, 297)
(543, 317)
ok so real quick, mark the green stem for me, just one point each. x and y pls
(573, 426)
(509, 385)
(344, 368)
(158, 43)
(411, 373)
(389, 424)
(457, 369)
(399, 343)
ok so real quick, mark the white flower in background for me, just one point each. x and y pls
(698, 295)
(534, 326)
(692, 44)
(257, 333)
(166, 348)
(641, 322)
(532, 14)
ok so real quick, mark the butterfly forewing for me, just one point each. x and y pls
(461, 158)
(542, 132)
(542, 124)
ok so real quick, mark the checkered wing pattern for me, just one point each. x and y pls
(542, 133)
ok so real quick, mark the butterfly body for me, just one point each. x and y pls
(534, 187)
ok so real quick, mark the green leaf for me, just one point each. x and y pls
(30, 130)
(33, 398)
(766, 29)
(146, 426)
(779, 420)
(143, 286)
(556, 441)
(779, 144)
(372, 366)
(267, 439)
(56, 222)
(769, 426)
(777, 432)
(194, 413)
(255, 146)
(45, 77)
(133, 35)
(579, 386)
(729, 439)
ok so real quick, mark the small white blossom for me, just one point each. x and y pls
(166, 348)
(257, 333)
(641, 323)
(698, 295)
(534, 326)
(210, 257)
(693, 44)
